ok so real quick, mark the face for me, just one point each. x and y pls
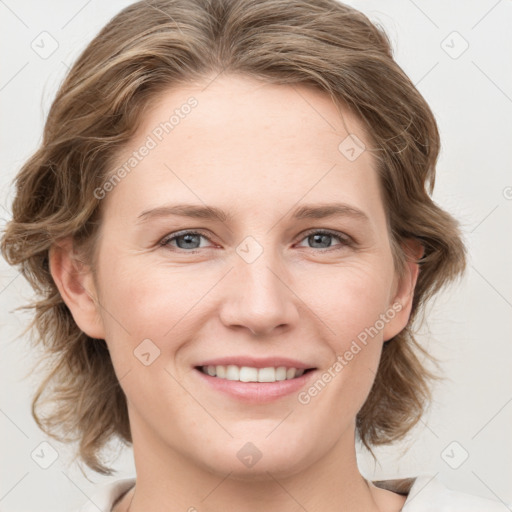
(245, 236)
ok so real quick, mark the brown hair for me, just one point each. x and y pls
(155, 45)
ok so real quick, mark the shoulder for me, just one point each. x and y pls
(106, 495)
(426, 493)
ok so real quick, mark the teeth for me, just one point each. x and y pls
(232, 372)
(267, 375)
(249, 374)
(281, 373)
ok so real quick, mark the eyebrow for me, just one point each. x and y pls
(329, 210)
(317, 211)
(186, 210)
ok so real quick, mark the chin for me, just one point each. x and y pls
(263, 470)
(253, 461)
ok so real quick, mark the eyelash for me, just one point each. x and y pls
(345, 240)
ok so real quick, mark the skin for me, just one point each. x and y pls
(258, 151)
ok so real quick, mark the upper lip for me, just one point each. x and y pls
(265, 362)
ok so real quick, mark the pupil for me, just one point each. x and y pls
(321, 239)
(188, 240)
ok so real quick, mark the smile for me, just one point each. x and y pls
(251, 374)
(255, 380)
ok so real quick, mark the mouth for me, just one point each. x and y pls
(254, 381)
(268, 374)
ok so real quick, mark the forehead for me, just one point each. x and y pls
(253, 115)
(249, 142)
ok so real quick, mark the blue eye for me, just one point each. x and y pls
(190, 241)
(186, 240)
(321, 239)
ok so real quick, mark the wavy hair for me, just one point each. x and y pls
(152, 46)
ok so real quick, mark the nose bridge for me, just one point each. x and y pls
(257, 297)
(259, 281)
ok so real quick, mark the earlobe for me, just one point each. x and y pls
(74, 281)
(401, 304)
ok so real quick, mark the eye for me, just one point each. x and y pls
(185, 240)
(322, 239)
(191, 241)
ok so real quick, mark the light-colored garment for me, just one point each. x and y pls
(425, 493)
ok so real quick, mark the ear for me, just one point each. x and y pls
(75, 283)
(401, 303)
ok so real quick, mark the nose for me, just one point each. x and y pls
(258, 298)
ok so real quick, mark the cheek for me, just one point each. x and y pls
(140, 302)
(353, 302)
(350, 299)
(153, 302)
(146, 314)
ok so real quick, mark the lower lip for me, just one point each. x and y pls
(256, 392)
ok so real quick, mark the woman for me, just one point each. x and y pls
(230, 227)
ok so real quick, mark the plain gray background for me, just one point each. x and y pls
(458, 55)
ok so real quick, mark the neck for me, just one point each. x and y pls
(169, 480)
